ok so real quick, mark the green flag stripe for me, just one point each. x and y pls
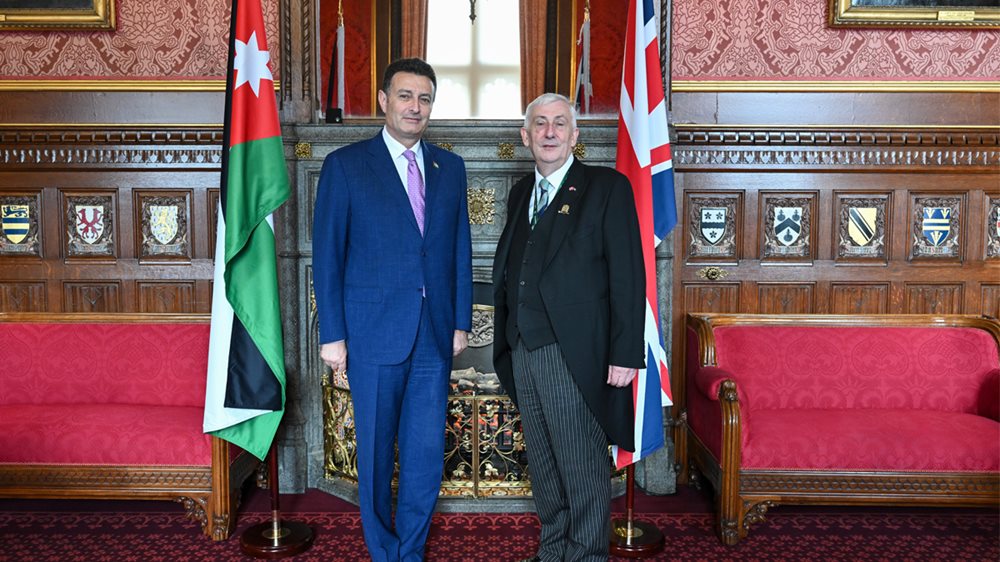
(257, 186)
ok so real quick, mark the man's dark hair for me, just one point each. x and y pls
(413, 66)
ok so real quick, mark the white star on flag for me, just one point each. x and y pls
(251, 64)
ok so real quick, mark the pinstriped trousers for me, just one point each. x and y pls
(567, 458)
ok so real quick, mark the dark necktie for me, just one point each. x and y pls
(541, 201)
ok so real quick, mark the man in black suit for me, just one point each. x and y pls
(569, 289)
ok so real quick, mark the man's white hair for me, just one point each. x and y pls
(546, 99)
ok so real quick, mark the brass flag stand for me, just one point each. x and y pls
(631, 538)
(276, 538)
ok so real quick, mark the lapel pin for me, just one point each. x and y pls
(565, 209)
(435, 164)
(572, 188)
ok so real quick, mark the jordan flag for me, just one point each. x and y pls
(245, 395)
(644, 156)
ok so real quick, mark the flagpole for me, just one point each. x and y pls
(631, 538)
(276, 538)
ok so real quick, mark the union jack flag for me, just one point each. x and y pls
(644, 156)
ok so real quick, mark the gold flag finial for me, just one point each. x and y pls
(340, 13)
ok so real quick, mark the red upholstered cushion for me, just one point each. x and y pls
(48, 363)
(856, 367)
(114, 434)
(889, 440)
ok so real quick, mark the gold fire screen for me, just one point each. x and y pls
(484, 447)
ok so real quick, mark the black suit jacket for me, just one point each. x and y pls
(592, 286)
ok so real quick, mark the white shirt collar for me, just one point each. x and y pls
(556, 177)
(396, 148)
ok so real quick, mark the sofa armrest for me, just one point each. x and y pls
(709, 380)
(988, 403)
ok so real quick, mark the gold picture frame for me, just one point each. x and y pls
(916, 13)
(75, 15)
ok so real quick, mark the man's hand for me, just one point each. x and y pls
(460, 342)
(334, 354)
(621, 376)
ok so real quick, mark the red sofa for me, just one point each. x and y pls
(826, 409)
(110, 406)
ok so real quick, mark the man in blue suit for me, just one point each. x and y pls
(392, 262)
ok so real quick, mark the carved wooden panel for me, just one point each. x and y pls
(90, 224)
(713, 227)
(720, 297)
(118, 219)
(165, 296)
(992, 242)
(933, 298)
(859, 298)
(862, 232)
(91, 296)
(22, 297)
(991, 299)
(780, 298)
(787, 226)
(162, 231)
(936, 222)
(20, 224)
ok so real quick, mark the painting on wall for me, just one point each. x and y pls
(981, 14)
(57, 14)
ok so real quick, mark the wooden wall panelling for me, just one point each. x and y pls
(124, 263)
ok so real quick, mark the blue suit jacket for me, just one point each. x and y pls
(370, 262)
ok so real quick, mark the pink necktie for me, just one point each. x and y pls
(415, 188)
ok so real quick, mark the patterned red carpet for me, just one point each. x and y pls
(113, 531)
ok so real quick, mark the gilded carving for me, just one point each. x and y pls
(505, 151)
(20, 232)
(482, 205)
(303, 150)
(756, 513)
(482, 326)
(447, 146)
(580, 151)
(936, 227)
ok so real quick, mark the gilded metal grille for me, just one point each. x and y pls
(484, 447)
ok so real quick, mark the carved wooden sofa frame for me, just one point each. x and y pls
(743, 496)
(209, 494)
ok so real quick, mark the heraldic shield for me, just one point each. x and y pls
(787, 224)
(862, 227)
(90, 222)
(936, 224)
(713, 223)
(163, 222)
(14, 221)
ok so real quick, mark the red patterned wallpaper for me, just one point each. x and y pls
(154, 40)
(790, 40)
